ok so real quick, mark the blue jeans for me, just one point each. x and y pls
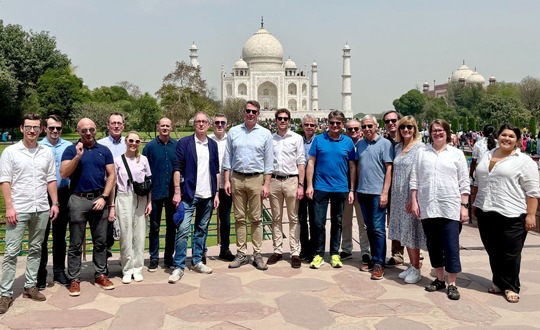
(203, 208)
(375, 220)
(155, 221)
(321, 199)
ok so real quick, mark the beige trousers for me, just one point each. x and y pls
(246, 193)
(285, 191)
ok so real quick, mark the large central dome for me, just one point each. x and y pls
(263, 49)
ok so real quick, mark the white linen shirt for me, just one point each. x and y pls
(288, 153)
(28, 171)
(440, 179)
(203, 189)
(505, 189)
(222, 144)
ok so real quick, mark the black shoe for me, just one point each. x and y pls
(41, 285)
(226, 255)
(345, 255)
(366, 259)
(153, 265)
(436, 286)
(109, 254)
(61, 278)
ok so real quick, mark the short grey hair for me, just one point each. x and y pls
(370, 117)
(352, 121)
(309, 117)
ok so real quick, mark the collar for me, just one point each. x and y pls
(199, 141)
(20, 145)
(326, 136)
(375, 140)
(311, 140)
(161, 141)
(243, 125)
(288, 133)
(115, 141)
(213, 136)
(46, 142)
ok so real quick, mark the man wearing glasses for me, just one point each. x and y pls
(27, 175)
(248, 164)
(286, 185)
(375, 155)
(225, 201)
(331, 174)
(90, 166)
(57, 145)
(196, 177)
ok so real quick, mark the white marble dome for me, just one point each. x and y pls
(475, 78)
(263, 48)
(463, 72)
(240, 64)
(289, 64)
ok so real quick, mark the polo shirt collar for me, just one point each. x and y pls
(327, 136)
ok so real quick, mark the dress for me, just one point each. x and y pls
(403, 226)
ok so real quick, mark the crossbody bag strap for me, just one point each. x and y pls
(127, 169)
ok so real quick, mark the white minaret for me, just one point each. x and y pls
(314, 87)
(193, 55)
(346, 81)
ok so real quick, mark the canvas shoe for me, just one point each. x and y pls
(126, 279)
(138, 277)
(176, 275)
(404, 273)
(414, 276)
(335, 261)
(317, 262)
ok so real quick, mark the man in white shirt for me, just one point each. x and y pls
(286, 185)
(27, 175)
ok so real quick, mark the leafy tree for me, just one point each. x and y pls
(410, 103)
(465, 98)
(110, 94)
(465, 123)
(532, 126)
(529, 92)
(497, 107)
(97, 111)
(133, 90)
(146, 113)
(455, 125)
(233, 108)
(437, 108)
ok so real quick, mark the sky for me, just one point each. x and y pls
(395, 45)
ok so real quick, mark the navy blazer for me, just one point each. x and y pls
(186, 163)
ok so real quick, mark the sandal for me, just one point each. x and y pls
(435, 286)
(494, 289)
(511, 296)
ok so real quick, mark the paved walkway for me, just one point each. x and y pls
(286, 298)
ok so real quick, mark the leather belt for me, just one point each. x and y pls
(247, 174)
(88, 195)
(284, 177)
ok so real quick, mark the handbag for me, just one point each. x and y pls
(140, 188)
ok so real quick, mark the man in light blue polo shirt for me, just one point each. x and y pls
(375, 155)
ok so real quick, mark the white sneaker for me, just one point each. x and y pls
(406, 272)
(126, 279)
(414, 276)
(176, 275)
(137, 277)
(201, 268)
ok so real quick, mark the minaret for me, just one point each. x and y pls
(193, 55)
(314, 87)
(346, 81)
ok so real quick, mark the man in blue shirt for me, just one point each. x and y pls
(160, 153)
(331, 175)
(249, 156)
(53, 128)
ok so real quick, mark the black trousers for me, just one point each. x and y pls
(503, 239)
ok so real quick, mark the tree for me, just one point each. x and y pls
(97, 111)
(503, 109)
(465, 98)
(437, 108)
(233, 108)
(146, 113)
(133, 90)
(410, 103)
(529, 92)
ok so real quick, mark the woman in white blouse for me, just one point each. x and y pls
(439, 195)
(505, 202)
(132, 209)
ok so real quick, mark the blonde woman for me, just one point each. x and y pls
(132, 209)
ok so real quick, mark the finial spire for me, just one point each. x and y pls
(262, 22)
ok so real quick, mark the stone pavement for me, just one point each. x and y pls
(286, 298)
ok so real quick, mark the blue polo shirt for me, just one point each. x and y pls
(160, 157)
(372, 156)
(332, 162)
(92, 164)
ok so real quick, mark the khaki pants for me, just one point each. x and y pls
(285, 191)
(246, 192)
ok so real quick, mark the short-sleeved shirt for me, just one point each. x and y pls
(373, 156)
(332, 162)
(92, 164)
(139, 168)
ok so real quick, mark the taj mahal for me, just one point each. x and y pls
(262, 75)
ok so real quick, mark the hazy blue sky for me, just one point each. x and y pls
(396, 45)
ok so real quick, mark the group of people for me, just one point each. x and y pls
(420, 190)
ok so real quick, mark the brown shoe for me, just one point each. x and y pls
(104, 282)
(34, 294)
(274, 258)
(295, 262)
(75, 288)
(5, 304)
(377, 273)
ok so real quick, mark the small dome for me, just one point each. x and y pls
(314, 63)
(289, 64)
(346, 47)
(194, 47)
(240, 64)
(425, 84)
(492, 79)
(475, 78)
(463, 72)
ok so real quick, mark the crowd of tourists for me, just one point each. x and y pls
(402, 186)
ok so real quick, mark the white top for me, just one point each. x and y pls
(222, 144)
(28, 170)
(505, 189)
(203, 189)
(480, 148)
(138, 168)
(440, 178)
(288, 153)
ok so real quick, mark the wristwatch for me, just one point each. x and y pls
(57, 204)
(466, 205)
(301, 184)
(105, 198)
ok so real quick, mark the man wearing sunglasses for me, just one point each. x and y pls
(57, 145)
(247, 165)
(27, 175)
(375, 157)
(90, 166)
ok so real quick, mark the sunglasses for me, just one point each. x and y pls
(134, 141)
(367, 126)
(54, 128)
(253, 112)
(220, 123)
(388, 121)
(86, 130)
(309, 125)
(30, 128)
(336, 123)
(282, 118)
(409, 127)
(350, 129)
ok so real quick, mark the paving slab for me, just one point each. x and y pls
(381, 307)
(223, 312)
(289, 284)
(148, 290)
(221, 287)
(304, 311)
(392, 323)
(466, 309)
(358, 284)
(55, 319)
(144, 313)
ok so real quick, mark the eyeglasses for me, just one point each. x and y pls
(388, 121)
(54, 128)
(253, 112)
(350, 129)
(367, 126)
(86, 130)
(309, 125)
(282, 118)
(116, 123)
(30, 128)
(336, 123)
(220, 123)
(403, 127)
(200, 122)
(134, 141)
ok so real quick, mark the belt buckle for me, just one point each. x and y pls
(90, 196)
